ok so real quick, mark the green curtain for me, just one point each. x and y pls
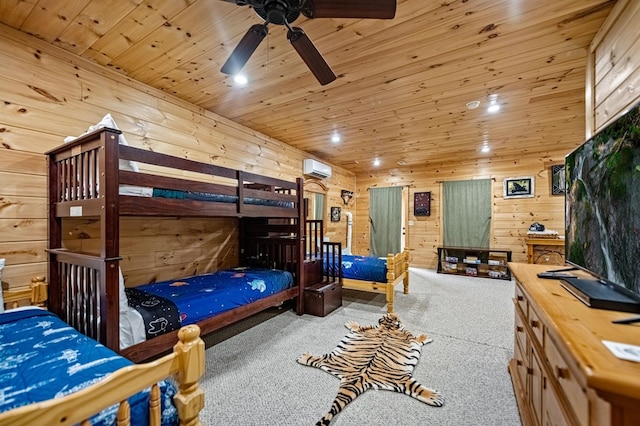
(385, 217)
(467, 213)
(318, 210)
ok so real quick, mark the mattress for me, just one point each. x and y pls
(205, 196)
(44, 358)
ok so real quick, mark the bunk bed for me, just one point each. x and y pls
(87, 179)
(376, 274)
(54, 375)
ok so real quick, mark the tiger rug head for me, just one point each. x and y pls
(374, 357)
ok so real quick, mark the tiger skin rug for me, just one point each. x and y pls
(379, 356)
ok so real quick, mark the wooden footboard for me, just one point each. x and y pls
(33, 295)
(186, 363)
(397, 271)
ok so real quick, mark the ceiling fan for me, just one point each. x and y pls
(285, 12)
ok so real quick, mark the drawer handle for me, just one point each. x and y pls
(519, 298)
(519, 329)
(535, 323)
(562, 373)
(518, 363)
(530, 371)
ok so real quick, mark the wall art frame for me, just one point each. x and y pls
(335, 214)
(519, 187)
(557, 179)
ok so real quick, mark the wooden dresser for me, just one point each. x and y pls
(562, 374)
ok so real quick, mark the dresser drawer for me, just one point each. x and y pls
(568, 382)
(520, 332)
(520, 300)
(522, 365)
(536, 326)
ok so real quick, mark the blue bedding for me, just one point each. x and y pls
(44, 358)
(364, 268)
(202, 296)
(221, 198)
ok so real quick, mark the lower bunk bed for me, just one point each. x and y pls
(163, 307)
(375, 274)
(146, 321)
(54, 375)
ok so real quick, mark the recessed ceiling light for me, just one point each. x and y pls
(485, 148)
(402, 163)
(376, 162)
(240, 79)
(473, 104)
(335, 138)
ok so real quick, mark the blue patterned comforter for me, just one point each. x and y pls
(364, 268)
(202, 296)
(41, 358)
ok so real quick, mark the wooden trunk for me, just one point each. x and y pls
(323, 298)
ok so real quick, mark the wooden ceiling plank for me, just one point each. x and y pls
(144, 19)
(92, 23)
(50, 18)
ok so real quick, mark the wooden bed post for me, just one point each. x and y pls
(108, 158)
(189, 400)
(55, 236)
(300, 246)
(405, 260)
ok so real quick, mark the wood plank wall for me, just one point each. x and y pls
(48, 94)
(511, 217)
(613, 70)
(612, 77)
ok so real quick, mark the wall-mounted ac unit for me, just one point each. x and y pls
(316, 168)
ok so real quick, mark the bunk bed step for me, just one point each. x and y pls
(323, 298)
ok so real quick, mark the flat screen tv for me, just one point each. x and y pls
(602, 215)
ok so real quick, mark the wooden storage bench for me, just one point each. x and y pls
(323, 298)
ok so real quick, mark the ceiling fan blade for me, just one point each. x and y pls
(310, 55)
(359, 9)
(244, 49)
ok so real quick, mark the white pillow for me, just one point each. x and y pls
(122, 296)
(1, 299)
(107, 121)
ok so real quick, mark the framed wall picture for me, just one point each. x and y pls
(335, 214)
(422, 204)
(557, 179)
(518, 187)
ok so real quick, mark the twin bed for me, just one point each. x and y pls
(376, 274)
(52, 374)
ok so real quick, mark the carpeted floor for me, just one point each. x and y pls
(252, 377)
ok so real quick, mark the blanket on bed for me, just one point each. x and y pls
(44, 358)
(202, 296)
(374, 357)
(160, 315)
